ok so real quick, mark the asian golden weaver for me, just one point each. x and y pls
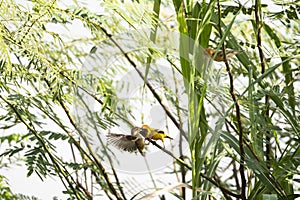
(136, 141)
(154, 134)
(219, 57)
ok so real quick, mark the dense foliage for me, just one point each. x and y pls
(71, 73)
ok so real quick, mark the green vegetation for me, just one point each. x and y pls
(70, 74)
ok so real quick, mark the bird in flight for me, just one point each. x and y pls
(136, 141)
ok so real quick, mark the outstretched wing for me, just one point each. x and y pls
(124, 142)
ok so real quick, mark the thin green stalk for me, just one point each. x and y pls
(156, 10)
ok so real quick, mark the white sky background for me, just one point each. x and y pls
(49, 188)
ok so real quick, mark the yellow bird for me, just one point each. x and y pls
(154, 134)
(130, 143)
(136, 141)
(219, 57)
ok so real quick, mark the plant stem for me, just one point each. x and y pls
(150, 87)
(238, 114)
(263, 69)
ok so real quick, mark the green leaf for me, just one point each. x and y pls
(272, 35)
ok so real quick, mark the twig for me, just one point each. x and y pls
(263, 69)
(238, 115)
(87, 193)
(182, 170)
(238, 196)
(45, 147)
(227, 196)
(258, 26)
(168, 189)
(150, 87)
(235, 175)
(170, 153)
(93, 155)
(189, 167)
(91, 118)
(63, 73)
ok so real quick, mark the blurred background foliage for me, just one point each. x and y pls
(239, 117)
